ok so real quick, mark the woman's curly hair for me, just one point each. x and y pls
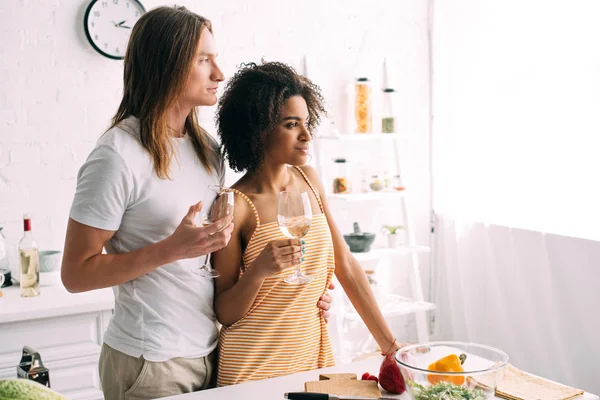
(251, 106)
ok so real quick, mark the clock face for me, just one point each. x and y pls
(108, 25)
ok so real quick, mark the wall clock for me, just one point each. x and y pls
(108, 25)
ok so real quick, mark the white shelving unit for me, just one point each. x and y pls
(383, 252)
(391, 305)
(367, 137)
(369, 196)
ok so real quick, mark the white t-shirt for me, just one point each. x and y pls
(168, 312)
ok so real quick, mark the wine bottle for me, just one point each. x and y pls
(29, 261)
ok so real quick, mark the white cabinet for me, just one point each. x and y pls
(65, 328)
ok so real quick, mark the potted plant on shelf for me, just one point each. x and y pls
(393, 234)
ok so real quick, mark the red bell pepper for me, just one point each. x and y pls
(390, 377)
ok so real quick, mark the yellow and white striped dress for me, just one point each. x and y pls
(283, 332)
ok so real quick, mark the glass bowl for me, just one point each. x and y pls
(483, 370)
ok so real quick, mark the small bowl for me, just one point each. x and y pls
(50, 260)
(360, 242)
(376, 186)
(483, 370)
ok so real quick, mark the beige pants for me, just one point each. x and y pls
(128, 378)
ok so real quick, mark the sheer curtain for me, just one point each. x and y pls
(516, 112)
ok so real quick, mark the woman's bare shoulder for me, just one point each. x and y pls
(244, 216)
(310, 172)
(313, 176)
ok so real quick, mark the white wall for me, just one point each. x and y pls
(57, 94)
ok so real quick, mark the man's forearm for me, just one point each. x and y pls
(106, 270)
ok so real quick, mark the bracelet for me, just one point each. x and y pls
(393, 343)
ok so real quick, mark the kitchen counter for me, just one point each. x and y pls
(65, 328)
(53, 301)
(274, 388)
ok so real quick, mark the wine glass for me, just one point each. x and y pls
(294, 216)
(221, 207)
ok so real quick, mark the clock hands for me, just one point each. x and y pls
(120, 24)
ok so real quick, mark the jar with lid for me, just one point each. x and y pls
(387, 107)
(341, 183)
(387, 117)
(363, 111)
(376, 183)
(364, 185)
(397, 183)
(387, 184)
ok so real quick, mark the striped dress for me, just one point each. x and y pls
(283, 332)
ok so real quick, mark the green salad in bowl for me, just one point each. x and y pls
(451, 370)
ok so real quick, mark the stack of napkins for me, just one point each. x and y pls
(519, 385)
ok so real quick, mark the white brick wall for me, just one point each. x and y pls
(57, 94)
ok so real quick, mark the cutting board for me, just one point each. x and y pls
(325, 377)
(348, 387)
(519, 385)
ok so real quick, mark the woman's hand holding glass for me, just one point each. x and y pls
(277, 256)
(294, 216)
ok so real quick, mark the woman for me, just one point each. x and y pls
(271, 328)
(146, 173)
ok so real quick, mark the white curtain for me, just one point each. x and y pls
(533, 295)
(516, 115)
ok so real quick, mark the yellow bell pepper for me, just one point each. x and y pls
(451, 363)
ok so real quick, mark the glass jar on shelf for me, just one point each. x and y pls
(364, 185)
(363, 111)
(341, 182)
(387, 184)
(397, 183)
(388, 113)
(387, 118)
(376, 183)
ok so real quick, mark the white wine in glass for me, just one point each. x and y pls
(222, 207)
(294, 216)
(296, 227)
